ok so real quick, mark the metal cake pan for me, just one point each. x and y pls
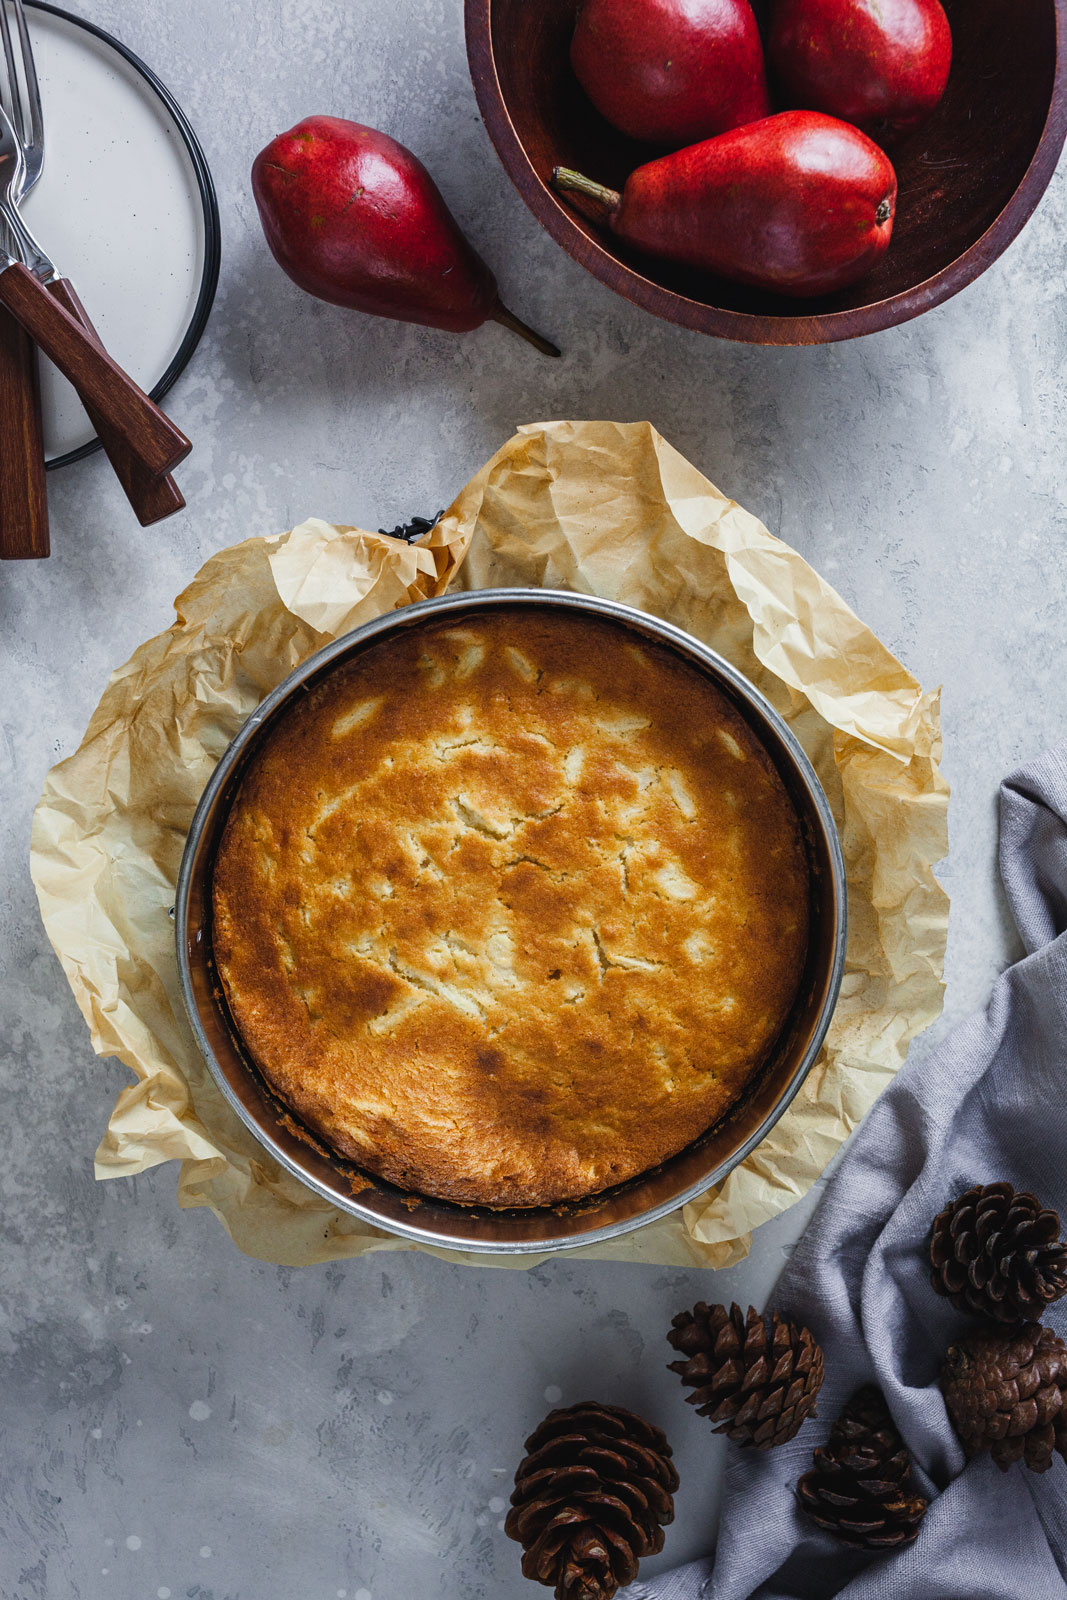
(549, 1228)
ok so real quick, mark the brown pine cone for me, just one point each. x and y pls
(756, 1378)
(1006, 1392)
(998, 1254)
(590, 1498)
(860, 1487)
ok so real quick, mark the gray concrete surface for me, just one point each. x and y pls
(176, 1420)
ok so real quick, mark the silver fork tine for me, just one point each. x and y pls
(33, 117)
(9, 95)
(12, 99)
(22, 99)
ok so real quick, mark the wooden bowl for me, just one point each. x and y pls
(968, 180)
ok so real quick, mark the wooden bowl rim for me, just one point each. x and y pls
(748, 327)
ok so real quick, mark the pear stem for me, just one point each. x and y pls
(508, 319)
(568, 181)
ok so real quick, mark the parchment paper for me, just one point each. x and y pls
(606, 508)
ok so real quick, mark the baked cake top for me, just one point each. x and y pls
(510, 910)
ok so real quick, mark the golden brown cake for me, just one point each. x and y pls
(512, 910)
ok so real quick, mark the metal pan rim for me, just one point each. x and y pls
(657, 630)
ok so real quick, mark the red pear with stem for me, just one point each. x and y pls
(799, 203)
(354, 218)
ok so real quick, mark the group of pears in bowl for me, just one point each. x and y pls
(777, 173)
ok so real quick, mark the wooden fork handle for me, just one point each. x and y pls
(153, 497)
(100, 381)
(23, 498)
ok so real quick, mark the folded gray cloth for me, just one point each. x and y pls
(989, 1104)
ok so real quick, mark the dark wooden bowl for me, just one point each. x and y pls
(968, 181)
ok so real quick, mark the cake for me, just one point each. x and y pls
(510, 910)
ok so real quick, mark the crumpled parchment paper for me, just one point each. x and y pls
(607, 508)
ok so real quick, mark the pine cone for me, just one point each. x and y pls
(998, 1254)
(860, 1487)
(756, 1378)
(590, 1498)
(1006, 1392)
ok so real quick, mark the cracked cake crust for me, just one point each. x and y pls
(511, 911)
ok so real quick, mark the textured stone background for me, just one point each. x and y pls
(177, 1420)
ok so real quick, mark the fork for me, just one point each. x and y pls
(152, 497)
(23, 495)
(100, 381)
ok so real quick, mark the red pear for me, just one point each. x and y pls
(356, 219)
(882, 64)
(799, 203)
(671, 71)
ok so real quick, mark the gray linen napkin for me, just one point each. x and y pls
(989, 1104)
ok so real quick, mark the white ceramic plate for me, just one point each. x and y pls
(125, 207)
